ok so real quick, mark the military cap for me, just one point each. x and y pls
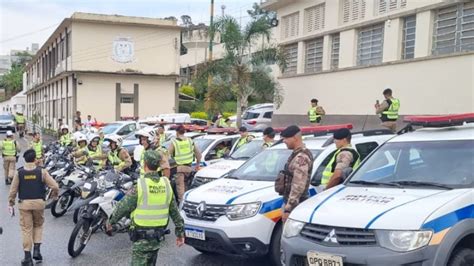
(152, 158)
(290, 131)
(342, 133)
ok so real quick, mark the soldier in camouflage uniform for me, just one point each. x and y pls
(147, 240)
(300, 165)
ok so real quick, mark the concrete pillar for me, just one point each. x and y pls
(327, 52)
(424, 34)
(392, 43)
(301, 58)
(331, 20)
(347, 50)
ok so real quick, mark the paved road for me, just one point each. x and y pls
(101, 250)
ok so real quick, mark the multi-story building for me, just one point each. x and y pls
(107, 66)
(346, 52)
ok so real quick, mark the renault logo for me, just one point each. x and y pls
(331, 237)
(201, 209)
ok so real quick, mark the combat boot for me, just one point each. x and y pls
(27, 261)
(37, 253)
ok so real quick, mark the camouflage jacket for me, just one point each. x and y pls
(300, 167)
(128, 204)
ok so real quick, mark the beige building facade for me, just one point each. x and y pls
(346, 52)
(108, 66)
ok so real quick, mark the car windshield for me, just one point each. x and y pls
(111, 128)
(266, 165)
(6, 117)
(248, 150)
(427, 164)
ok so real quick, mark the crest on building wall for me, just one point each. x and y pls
(123, 50)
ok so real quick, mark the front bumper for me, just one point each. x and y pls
(296, 248)
(7, 127)
(217, 241)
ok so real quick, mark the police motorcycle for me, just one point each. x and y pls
(70, 186)
(59, 164)
(98, 199)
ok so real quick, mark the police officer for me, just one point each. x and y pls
(149, 204)
(316, 112)
(268, 137)
(118, 157)
(344, 157)
(81, 153)
(148, 141)
(65, 139)
(221, 150)
(29, 182)
(9, 149)
(183, 151)
(245, 137)
(221, 121)
(95, 151)
(388, 110)
(37, 145)
(298, 168)
(20, 122)
(160, 136)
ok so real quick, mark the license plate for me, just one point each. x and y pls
(195, 233)
(323, 259)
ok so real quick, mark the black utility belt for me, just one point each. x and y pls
(148, 234)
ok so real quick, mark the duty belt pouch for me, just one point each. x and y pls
(282, 182)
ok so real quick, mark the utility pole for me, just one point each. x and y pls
(211, 38)
(223, 10)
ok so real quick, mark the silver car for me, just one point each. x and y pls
(258, 117)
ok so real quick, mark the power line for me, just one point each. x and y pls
(27, 34)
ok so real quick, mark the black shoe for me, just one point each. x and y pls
(8, 182)
(27, 262)
(37, 254)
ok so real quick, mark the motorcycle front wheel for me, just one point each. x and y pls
(59, 207)
(79, 237)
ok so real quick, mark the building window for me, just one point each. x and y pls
(384, 6)
(126, 99)
(409, 30)
(335, 43)
(454, 29)
(353, 10)
(291, 56)
(370, 45)
(314, 56)
(314, 18)
(290, 25)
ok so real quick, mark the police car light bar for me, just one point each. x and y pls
(318, 130)
(222, 130)
(440, 121)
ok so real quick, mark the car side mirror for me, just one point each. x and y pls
(316, 181)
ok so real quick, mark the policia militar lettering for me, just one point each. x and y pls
(149, 204)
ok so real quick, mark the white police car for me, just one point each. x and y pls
(240, 214)
(411, 202)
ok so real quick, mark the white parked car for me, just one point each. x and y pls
(411, 202)
(240, 214)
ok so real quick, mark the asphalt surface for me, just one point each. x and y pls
(101, 249)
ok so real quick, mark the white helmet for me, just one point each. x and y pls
(9, 133)
(64, 127)
(117, 139)
(93, 136)
(145, 133)
(81, 137)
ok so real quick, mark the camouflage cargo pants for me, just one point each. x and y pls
(145, 252)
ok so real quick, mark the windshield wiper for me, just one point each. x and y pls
(370, 183)
(241, 158)
(421, 184)
(231, 177)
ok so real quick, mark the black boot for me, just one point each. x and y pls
(27, 261)
(36, 252)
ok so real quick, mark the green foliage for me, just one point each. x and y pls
(188, 90)
(199, 115)
(12, 81)
(227, 114)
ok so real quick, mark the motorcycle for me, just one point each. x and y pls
(108, 190)
(20, 128)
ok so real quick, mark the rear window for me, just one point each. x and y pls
(268, 115)
(250, 115)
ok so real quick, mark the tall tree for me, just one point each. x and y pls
(242, 70)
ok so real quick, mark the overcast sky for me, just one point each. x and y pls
(23, 22)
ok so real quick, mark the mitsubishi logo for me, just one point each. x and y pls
(331, 237)
(201, 209)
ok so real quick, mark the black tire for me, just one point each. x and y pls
(68, 198)
(462, 257)
(274, 253)
(75, 217)
(81, 226)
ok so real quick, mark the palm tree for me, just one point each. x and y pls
(242, 70)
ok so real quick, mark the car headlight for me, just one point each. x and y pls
(403, 241)
(292, 228)
(243, 211)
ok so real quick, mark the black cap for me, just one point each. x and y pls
(267, 130)
(290, 131)
(242, 129)
(342, 133)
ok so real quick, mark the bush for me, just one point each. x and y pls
(188, 90)
(199, 115)
(228, 114)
